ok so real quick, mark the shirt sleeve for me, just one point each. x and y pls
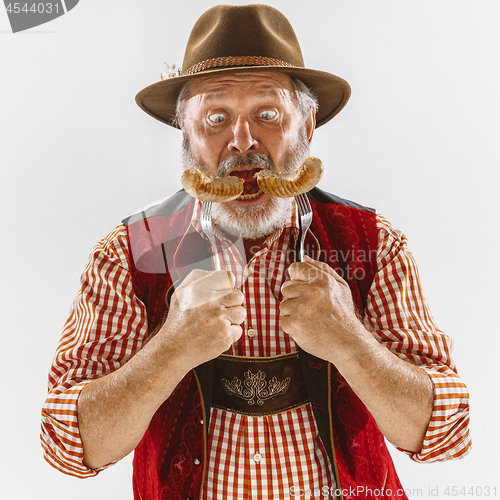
(106, 326)
(398, 316)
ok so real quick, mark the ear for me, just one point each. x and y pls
(311, 125)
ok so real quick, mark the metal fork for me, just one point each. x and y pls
(206, 225)
(305, 219)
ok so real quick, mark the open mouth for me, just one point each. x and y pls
(251, 189)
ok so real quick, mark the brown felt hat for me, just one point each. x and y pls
(227, 39)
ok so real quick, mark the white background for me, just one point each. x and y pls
(418, 141)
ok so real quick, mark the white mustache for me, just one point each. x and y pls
(234, 161)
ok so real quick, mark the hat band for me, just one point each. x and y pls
(222, 62)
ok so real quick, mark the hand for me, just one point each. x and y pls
(204, 317)
(318, 311)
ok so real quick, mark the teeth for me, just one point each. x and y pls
(250, 196)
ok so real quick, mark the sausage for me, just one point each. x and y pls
(287, 185)
(200, 186)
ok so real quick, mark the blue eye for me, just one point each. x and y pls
(217, 117)
(268, 114)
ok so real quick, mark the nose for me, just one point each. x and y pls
(243, 139)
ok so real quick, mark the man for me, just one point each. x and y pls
(270, 378)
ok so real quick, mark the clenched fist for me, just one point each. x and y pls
(318, 311)
(204, 318)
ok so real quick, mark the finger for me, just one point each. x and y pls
(323, 266)
(232, 299)
(218, 280)
(236, 315)
(206, 295)
(201, 291)
(286, 324)
(194, 275)
(286, 307)
(302, 271)
(293, 289)
(236, 332)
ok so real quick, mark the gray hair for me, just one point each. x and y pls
(181, 104)
(306, 100)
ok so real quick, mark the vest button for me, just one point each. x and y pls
(251, 332)
(196, 461)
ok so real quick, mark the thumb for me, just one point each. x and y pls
(219, 280)
(193, 276)
(323, 266)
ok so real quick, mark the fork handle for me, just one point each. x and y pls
(299, 248)
(217, 265)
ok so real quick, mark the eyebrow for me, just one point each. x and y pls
(262, 93)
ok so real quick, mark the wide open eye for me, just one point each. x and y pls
(268, 114)
(217, 117)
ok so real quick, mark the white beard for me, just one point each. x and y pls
(253, 222)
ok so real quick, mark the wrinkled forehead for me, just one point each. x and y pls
(263, 84)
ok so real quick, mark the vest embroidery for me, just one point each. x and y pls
(256, 387)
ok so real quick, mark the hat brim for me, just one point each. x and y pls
(159, 99)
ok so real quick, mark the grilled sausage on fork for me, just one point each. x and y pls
(200, 186)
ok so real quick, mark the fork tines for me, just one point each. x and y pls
(305, 219)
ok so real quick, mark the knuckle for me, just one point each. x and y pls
(284, 323)
(287, 325)
(237, 296)
(238, 331)
(288, 288)
(293, 268)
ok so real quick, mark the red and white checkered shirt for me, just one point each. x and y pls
(261, 456)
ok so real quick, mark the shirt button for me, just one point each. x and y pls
(196, 461)
(257, 457)
(251, 332)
